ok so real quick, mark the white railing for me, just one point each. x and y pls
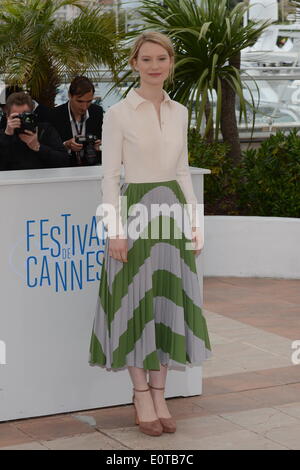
(275, 90)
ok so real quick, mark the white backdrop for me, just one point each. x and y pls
(49, 284)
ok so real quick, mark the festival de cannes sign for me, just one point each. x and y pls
(63, 256)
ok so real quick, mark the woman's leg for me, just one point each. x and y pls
(143, 400)
(158, 379)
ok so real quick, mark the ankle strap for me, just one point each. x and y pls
(156, 388)
(146, 390)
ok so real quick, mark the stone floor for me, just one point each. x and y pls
(251, 388)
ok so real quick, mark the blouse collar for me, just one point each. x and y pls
(135, 99)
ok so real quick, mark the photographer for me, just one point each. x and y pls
(42, 112)
(79, 123)
(26, 143)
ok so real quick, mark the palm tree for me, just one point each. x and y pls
(38, 51)
(208, 37)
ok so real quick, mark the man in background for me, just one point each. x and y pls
(20, 148)
(42, 112)
(79, 123)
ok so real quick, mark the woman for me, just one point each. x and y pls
(148, 314)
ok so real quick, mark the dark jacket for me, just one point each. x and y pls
(60, 119)
(16, 155)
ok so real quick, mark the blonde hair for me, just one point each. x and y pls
(157, 38)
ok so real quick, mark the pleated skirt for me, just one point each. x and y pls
(149, 309)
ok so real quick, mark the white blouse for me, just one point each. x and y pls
(132, 135)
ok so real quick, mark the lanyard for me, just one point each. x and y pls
(78, 129)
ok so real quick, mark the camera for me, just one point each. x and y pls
(88, 151)
(29, 122)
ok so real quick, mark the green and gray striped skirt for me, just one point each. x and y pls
(149, 309)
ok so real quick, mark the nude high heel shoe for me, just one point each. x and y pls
(152, 428)
(168, 424)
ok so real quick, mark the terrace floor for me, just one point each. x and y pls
(251, 388)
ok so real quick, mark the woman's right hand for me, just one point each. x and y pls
(118, 248)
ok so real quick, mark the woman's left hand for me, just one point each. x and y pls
(197, 238)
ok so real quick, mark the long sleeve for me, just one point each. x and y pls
(16, 155)
(184, 177)
(5, 146)
(112, 151)
(52, 151)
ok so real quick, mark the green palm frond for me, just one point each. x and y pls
(34, 46)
